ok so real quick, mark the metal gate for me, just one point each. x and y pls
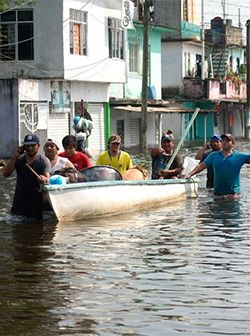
(96, 141)
(33, 119)
(58, 127)
(135, 131)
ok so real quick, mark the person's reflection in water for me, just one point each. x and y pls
(39, 285)
(223, 216)
(33, 241)
(26, 284)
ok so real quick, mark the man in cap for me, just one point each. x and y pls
(57, 162)
(161, 157)
(215, 144)
(28, 200)
(226, 165)
(114, 156)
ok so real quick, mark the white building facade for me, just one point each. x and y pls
(54, 56)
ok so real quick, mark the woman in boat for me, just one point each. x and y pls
(57, 162)
(114, 156)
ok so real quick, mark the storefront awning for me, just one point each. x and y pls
(158, 109)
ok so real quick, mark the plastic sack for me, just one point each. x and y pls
(189, 164)
(58, 179)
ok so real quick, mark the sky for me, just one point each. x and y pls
(214, 8)
(232, 8)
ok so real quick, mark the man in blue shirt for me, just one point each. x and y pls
(213, 145)
(226, 165)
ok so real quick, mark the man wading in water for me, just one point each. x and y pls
(226, 165)
(28, 200)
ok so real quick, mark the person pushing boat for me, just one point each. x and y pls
(226, 165)
(32, 170)
(213, 145)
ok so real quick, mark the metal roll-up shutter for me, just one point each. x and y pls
(58, 127)
(135, 131)
(96, 141)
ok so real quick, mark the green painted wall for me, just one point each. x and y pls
(107, 121)
(134, 84)
(197, 132)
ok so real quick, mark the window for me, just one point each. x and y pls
(120, 129)
(189, 65)
(185, 10)
(231, 63)
(16, 34)
(60, 97)
(185, 64)
(133, 57)
(238, 65)
(198, 66)
(138, 10)
(78, 32)
(115, 34)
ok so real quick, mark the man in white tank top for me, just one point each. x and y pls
(57, 162)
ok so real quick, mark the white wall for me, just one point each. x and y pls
(127, 116)
(172, 121)
(171, 64)
(34, 90)
(96, 66)
(173, 61)
(91, 92)
(194, 49)
(52, 57)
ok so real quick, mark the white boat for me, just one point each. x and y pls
(103, 198)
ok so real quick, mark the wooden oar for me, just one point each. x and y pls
(197, 110)
(33, 171)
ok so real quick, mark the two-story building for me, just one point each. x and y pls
(53, 55)
(222, 93)
(125, 99)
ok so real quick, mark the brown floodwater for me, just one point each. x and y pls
(178, 270)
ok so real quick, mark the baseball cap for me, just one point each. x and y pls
(31, 139)
(229, 137)
(167, 137)
(216, 137)
(114, 138)
(50, 141)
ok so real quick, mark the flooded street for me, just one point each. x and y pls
(179, 270)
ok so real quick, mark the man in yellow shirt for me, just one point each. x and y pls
(114, 156)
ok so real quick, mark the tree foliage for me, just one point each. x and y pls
(7, 4)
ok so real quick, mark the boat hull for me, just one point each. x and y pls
(94, 199)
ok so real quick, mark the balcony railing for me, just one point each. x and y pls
(215, 89)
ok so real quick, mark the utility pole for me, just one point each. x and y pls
(202, 42)
(144, 96)
(247, 112)
(223, 3)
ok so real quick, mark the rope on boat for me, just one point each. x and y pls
(195, 189)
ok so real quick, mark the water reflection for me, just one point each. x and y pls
(32, 241)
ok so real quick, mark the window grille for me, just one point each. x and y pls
(16, 35)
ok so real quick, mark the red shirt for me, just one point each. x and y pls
(79, 160)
